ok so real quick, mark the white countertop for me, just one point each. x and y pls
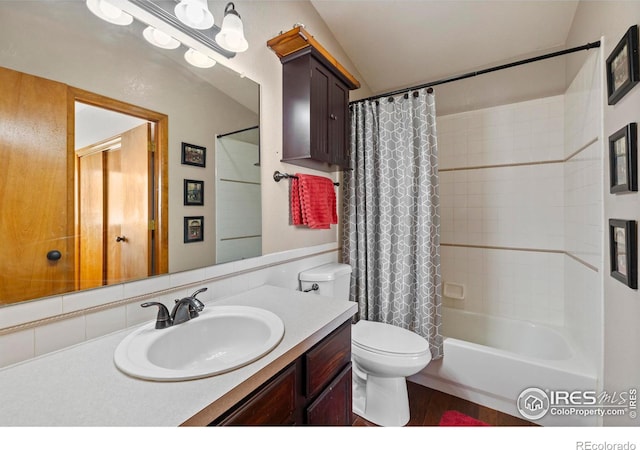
(81, 386)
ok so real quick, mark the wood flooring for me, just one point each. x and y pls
(427, 406)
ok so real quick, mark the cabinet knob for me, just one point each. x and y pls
(333, 117)
(54, 255)
(121, 239)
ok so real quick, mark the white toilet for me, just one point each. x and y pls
(382, 355)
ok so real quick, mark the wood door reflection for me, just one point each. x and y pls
(115, 210)
(36, 178)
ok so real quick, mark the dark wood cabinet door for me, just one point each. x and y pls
(333, 405)
(339, 123)
(321, 84)
(274, 404)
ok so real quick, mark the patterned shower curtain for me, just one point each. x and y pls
(392, 226)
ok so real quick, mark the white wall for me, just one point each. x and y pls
(621, 309)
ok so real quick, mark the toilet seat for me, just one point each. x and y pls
(388, 340)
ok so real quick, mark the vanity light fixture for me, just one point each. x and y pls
(189, 17)
(197, 59)
(231, 36)
(159, 38)
(195, 14)
(106, 11)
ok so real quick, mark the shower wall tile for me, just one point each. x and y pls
(584, 224)
(518, 206)
(583, 205)
(583, 106)
(520, 132)
(515, 284)
(511, 207)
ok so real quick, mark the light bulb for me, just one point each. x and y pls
(109, 10)
(162, 37)
(194, 13)
(197, 59)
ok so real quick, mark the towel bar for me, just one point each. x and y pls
(277, 176)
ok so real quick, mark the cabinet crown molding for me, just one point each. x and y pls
(297, 39)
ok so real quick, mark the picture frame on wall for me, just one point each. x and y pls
(622, 66)
(193, 229)
(193, 192)
(194, 155)
(623, 251)
(623, 165)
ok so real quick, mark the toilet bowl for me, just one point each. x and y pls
(382, 355)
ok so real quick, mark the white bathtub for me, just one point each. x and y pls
(491, 360)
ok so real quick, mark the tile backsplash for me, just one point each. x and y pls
(26, 342)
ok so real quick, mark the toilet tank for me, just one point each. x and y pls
(332, 279)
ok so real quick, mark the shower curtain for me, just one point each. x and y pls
(391, 210)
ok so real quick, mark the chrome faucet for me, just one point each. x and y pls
(184, 310)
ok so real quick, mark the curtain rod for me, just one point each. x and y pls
(588, 46)
(239, 131)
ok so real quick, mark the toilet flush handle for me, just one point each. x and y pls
(314, 287)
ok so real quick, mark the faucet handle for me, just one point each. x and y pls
(198, 304)
(164, 318)
(204, 289)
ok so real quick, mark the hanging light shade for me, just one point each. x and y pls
(195, 14)
(197, 59)
(159, 38)
(106, 11)
(231, 36)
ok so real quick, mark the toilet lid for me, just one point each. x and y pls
(384, 338)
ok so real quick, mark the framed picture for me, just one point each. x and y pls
(193, 192)
(193, 229)
(194, 155)
(623, 251)
(623, 165)
(622, 66)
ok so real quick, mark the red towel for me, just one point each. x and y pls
(313, 201)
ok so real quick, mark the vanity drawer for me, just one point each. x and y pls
(273, 404)
(327, 359)
(333, 405)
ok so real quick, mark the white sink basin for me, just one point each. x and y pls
(221, 339)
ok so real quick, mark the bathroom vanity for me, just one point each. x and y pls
(305, 379)
(315, 389)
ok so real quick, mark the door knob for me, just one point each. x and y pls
(54, 255)
(121, 239)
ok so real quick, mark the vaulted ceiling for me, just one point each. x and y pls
(402, 43)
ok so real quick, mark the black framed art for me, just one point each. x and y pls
(623, 165)
(193, 229)
(622, 66)
(623, 251)
(194, 155)
(193, 192)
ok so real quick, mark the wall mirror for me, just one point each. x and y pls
(63, 42)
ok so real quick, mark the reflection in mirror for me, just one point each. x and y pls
(239, 232)
(116, 243)
(53, 48)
